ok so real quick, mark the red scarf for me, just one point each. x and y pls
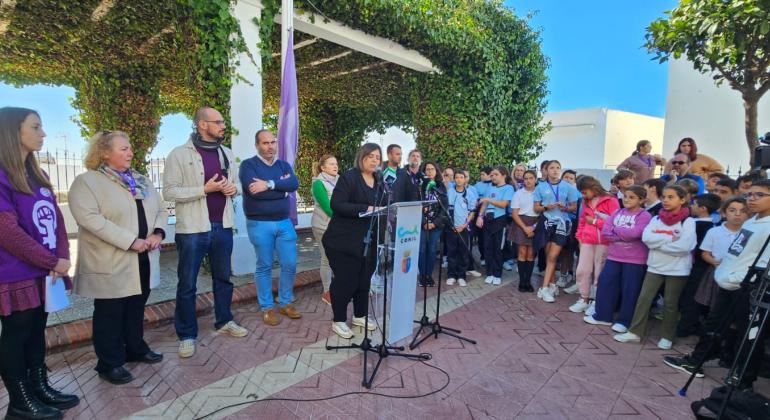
(670, 218)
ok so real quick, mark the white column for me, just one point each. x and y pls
(246, 116)
(287, 18)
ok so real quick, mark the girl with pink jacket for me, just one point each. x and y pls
(598, 205)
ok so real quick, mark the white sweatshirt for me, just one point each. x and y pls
(670, 246)
(742, 253)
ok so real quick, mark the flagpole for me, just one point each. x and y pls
(287, 29)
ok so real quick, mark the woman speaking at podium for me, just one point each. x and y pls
(356, 192)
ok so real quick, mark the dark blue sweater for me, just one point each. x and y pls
(271, 204)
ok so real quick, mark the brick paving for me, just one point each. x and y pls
(533, 360)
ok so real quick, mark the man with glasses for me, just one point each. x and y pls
(680, 167)
(200, 178)
(732, 304)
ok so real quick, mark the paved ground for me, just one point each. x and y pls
(307, 259)
(533, 360)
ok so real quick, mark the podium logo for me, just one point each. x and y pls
(406, 235)
(406, 261)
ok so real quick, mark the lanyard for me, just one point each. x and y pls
(555, 191)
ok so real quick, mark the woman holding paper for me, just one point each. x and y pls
(33, 245)
(120, 215)
(358, 190)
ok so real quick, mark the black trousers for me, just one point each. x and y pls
(494, 232)
(352, 279)
(118, 325)
(22, 342)
(689, 309)
(480, 235)
(459, 257)
(724, 311)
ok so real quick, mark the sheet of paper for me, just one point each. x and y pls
(56, 297)
(154, 257)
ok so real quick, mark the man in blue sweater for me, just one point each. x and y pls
(267, 182)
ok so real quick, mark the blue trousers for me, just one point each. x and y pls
(428, 246)
(191, 248)
(268, 236)
(618, 281)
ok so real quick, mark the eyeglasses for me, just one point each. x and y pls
(217, 122)
(678, 162)
(755, 195)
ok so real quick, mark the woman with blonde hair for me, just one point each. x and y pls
(120, 216)
(33, 245)
(326, 176)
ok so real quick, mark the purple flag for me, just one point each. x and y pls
(288, 118)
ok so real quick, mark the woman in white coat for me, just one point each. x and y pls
(120, 217)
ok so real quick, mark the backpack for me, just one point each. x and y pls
(743, 405)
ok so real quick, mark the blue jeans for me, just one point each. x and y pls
(191, 248)
(266, 236)
(619, 281)
(428, 246)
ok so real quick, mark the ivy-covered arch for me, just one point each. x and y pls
(133, 62)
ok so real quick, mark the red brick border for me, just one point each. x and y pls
(72, 334)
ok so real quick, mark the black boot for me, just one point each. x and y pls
(22, 403)
(523, 280)
(38, 379)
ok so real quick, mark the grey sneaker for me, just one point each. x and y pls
(233, 329)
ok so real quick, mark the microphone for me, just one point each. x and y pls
(378, 175)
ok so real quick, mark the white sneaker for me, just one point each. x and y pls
(589, 319)
(554, 289)
(360, 322)
(619, 328)
(591, 310)
(563, 281)
(233, 329)
(462, 282)
(473, 273)
(572, 289)
(450, 281)
(545, 294)
(665, 344)
(489, 280)
(186, 348)
(507, 266)
(342, 330)
(627, 337)
(496, 281)
(579, 306)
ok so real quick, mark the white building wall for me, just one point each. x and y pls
(713, 116)
(576, 138)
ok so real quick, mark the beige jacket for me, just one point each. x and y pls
(183, 182)
(108, 224)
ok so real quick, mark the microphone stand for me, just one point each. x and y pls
(381, 350)
(435, 327)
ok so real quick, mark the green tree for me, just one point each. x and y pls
(729, 38)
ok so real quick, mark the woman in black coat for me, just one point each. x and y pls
(356, 191)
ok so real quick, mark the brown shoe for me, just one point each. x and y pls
(327, 298)
(270, 317)
(290, 311)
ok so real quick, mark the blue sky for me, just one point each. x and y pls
(594, 49)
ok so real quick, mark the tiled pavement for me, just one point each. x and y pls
(533, 360)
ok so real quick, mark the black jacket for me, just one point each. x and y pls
(435, 213)
(347, 231)
(408, 187)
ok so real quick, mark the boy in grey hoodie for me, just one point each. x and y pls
(729, 275)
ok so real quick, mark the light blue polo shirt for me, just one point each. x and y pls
(563, 192)
(482, 188)
(462, 206)
(503, 192)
